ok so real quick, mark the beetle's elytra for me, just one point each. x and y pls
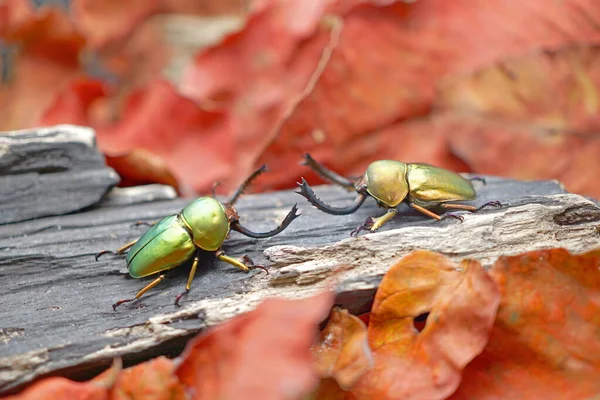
(390, 183)
(202, 225)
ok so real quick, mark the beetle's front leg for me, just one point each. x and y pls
(373, 224)
(237, 263)
(119, 251)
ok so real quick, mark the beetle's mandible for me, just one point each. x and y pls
(202, 225)
(390, 183)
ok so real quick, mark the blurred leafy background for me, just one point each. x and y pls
(190, 92)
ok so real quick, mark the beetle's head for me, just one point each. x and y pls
(231, 213)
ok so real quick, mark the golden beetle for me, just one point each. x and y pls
(390, 183)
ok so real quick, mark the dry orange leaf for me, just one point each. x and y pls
(264, 354)
(342, 350)
(461, 301)
(152, 380)
(545, 341)
(140, 167)
(55, 388)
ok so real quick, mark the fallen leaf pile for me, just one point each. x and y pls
(469, 85)
(526, 329)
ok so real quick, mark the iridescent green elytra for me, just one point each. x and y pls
(390, 183)
(202, 225)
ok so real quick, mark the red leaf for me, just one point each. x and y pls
(264, 354)
(62, 388)
(45, 57)
(152, 380)
(382, 78)
(544, 343)
(158, 120)
(105, 21)
(72, 105)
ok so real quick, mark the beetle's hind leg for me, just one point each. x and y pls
(141, 292)
(142, 223)
(119, 251)
(471, 208)
(478, 178)
(433, 215)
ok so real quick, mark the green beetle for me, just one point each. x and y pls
(390, 183)
(202, 225)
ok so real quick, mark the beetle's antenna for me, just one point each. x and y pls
(245, 184)
(292, 215)
(327, 173)
(308, 193)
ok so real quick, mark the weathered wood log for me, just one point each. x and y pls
(50, 171)
(56, 315)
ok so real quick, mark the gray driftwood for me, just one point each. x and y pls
(50, 171)
(56, 315)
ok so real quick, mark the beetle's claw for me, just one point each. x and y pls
(248, 261)
(250, 264)
(118, 303)
(478, 178)
(366, 226)
(490, 204)
(455, 216)
(179, 296)
(105, 252)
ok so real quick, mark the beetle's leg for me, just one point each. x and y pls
(119, 251)
(459, 207)
(308, 194)
(434, 215)
(489, 204)
(373, 224)
(292, 215)
(230, 260)
(250, 264)
(141, 292)
(364, 227)
(478, 178)
(140, 223)
(472, 208)
(236, 195)
(327, 173)
(378, 222)
(190, 279)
